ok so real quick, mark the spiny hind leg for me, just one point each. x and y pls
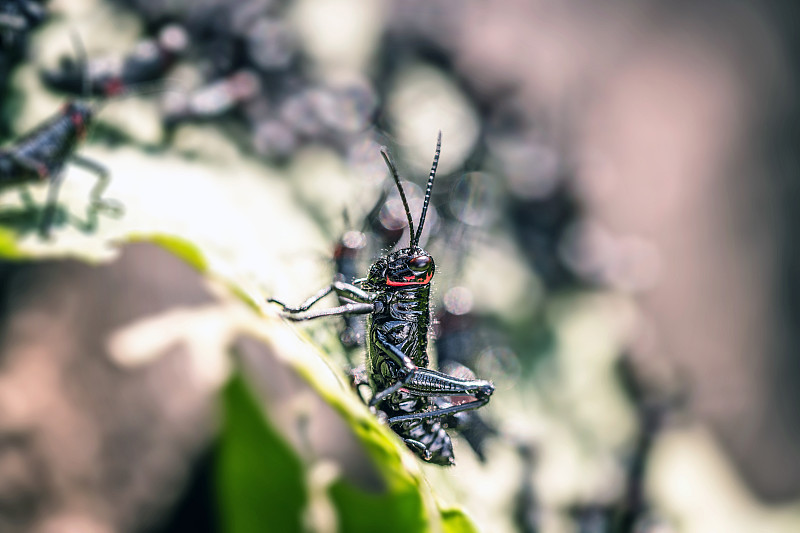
(439, 413)
(427, 382)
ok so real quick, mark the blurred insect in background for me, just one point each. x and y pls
(655, 404)
(111, 76)
(395, 296)
(527, 508)
(632, 511)
(18, 17)
(211, 101)
(42, 154)
(17, 20)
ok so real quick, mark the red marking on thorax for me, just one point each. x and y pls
(79, 123)
(113, 87)
(425, 281)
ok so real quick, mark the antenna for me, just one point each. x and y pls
(428, 190)
(393, 170)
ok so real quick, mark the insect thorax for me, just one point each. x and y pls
(403, 320)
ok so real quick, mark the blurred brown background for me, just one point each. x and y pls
(675, 128)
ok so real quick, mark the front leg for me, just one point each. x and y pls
(344, 290)
(342, 310)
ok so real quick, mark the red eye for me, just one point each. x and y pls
(419, 262)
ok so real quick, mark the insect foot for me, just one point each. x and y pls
(109, 206)
(484, 391)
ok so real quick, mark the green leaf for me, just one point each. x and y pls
(401, 510)
(8, 245)
(257, 460)
(180, 247)
(455, 520)
(260, 478)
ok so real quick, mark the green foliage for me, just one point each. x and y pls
(454, 520)
(260, 478)
(178, 246)
(264, 480)
(8, 245)
(401, 510)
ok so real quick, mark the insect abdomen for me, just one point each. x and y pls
(431, 433)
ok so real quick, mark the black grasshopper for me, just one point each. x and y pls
(395, 297)
(109, 76)
(41, 155)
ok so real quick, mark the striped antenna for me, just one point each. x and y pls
(393, 170)
(432, 175)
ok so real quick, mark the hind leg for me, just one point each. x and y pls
(427, 382)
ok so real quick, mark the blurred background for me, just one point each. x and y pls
(611, 225)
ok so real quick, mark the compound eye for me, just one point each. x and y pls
(419, 262)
